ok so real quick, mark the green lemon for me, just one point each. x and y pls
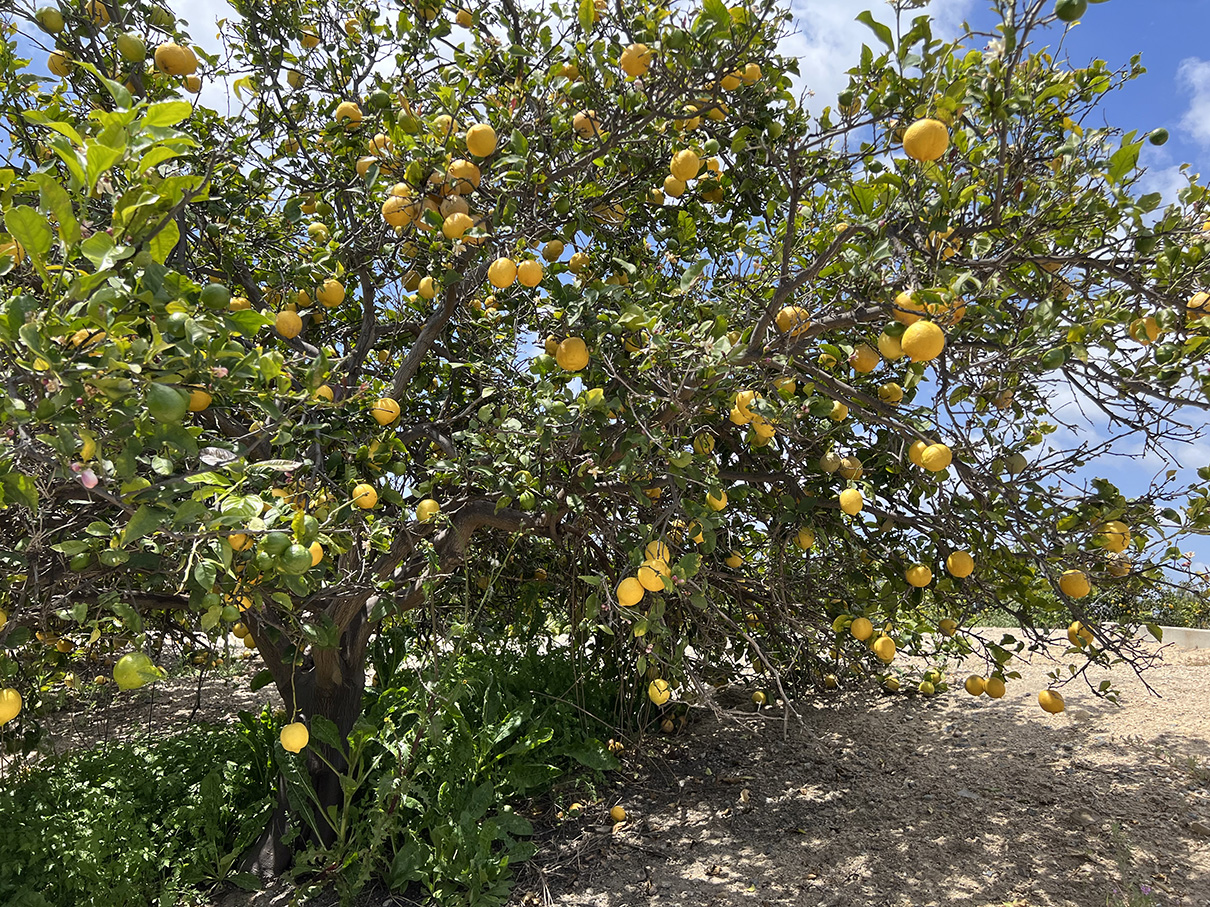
(215, 297)
(166, 403)
(295, 560)
(135, 670)
(1070, 10)
(275, 543)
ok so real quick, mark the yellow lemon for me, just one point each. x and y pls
(385, 411)
(923, 341)
(864, 359)
(529, 273)
(294, 737)
(1051, 701)
(365, 496)
(975, 685)
(862, 629)
(804, 538)
(884, 648)
(918, 575)
(427, 510)
(851, 501)
(658, 691)
(630, 592)
(716, 502)
(1074, 583)
(793, 320)
(331, 293)
(936, 457)
(288, 324)
(684, 165)
(960, 564)
(926, 140)
(10, 705)
(481, 139)
(502, 272)
(636, 60)
(572, 354)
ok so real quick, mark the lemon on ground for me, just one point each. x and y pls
(617, 814)
(918, 575)
(658, 691)
(502, 272)
(926, 140)
(864, 358)
(427, 509)
(10, 705)
(960, 564)
(884, 648)
(288, 324)
(923, 341)
(716, 502)
(804, 538)
(1051, 701)
(331, 293)
(529, 273)
(994, 687)
(630, 592)
(926, 687)
(365, 496)
(684, 164)
(1074, 583)
(862, 629)
(294, 737)
(936, 457)
(572, 354)
(851, 501)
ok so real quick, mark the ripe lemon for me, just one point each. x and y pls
(936, 457)
(862, 629)
(288, 324)
(804, 539)
(481, 140)
(294, 737)
(751, 74)
(199, 400)
(10, 705)
(850, 468)
(317, 553)
(793, 320)
(239, 541)
(658, 691)
(502, 272)
(630, 592)
(14, 250)
(365, 496)
(651, 575)
(673, 187)
(864, 359)
(1114, 536)
(703, 444)
(994, 687)
(1145, 330)
(889, 347)
(464, 176)
(427, 509)
(684, 164)
(923, 341)
(918, 575)
(529, 273)
(906, 310)
(1074, 583)
(851, 501)
(636, 60)
(572, 354)
(456, 225)
(948, 626)
(975, 685)
(839, 412)
(553, 250)
(617, 814)
(884, 648)
(323, 392)
(926, 140)
(716, 502)
(1051, 701)
(890, 394)
(1079, 635)
(348, 114)
(59, 64)
(1198, 306)
(173, 59)
(759, 698)
(586, 124)
(735, 560)
(960, 564)
(331, 293)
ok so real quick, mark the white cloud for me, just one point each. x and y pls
(829, 38)
(1193, 76)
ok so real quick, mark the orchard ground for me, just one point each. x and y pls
(873, 799)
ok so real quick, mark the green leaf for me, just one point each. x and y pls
(587, 15)
(29, 228)
(211, 618)
(882, 32)
(325, 731)
(693, 272)
(1123, 161)
(167, 113)
(98, 159)
(145, 520)
(1156, 631)
(260, 680)
(20, 488)
(165, 241)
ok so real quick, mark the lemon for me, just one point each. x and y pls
(884, 648)
(936, 457)
(684, 164)
(317, 553)
(658, 691)
(651, 575)
(288, 324)
(923, 341)
(906, 310)
(166, 404)
(890, 394)
(948, 626)
(174, 60)
(975, 685)
(529, 273)
(427, 509)
(1051, 701)
(630, 592)
(793, 320)
(960, 564)
(10, 705)
(364, 496)
(862, 629)
(481, 139)
(703, 444)
(502, 272)
(586, 124)
(636, 60)
(135, 670)
(851, 501)
(1074, 583)
(1114, 536)
(804, 538)
(1079, 635)
(926, 140)
(199, 400)
(617, 814)
(864, 359)
(918, 575)
(348, 114)
(735, 560)
(716, 502)
(294, 737)
(331, 293)
(572, 354)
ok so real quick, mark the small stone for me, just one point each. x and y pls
(969, 795)
(1200, 828)
(1083, 817)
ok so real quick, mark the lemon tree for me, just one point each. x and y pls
(571, 309)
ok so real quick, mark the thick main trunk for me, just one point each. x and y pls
(330, 684)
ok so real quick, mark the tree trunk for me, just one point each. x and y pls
(330, 684)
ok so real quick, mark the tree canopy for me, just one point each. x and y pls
(576, 314)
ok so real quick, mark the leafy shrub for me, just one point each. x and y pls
(130, 824)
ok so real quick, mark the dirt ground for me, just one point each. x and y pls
(873, 800)
(891, 801)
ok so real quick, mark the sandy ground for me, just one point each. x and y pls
(908, 801)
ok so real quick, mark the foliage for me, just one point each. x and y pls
(135, 823)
